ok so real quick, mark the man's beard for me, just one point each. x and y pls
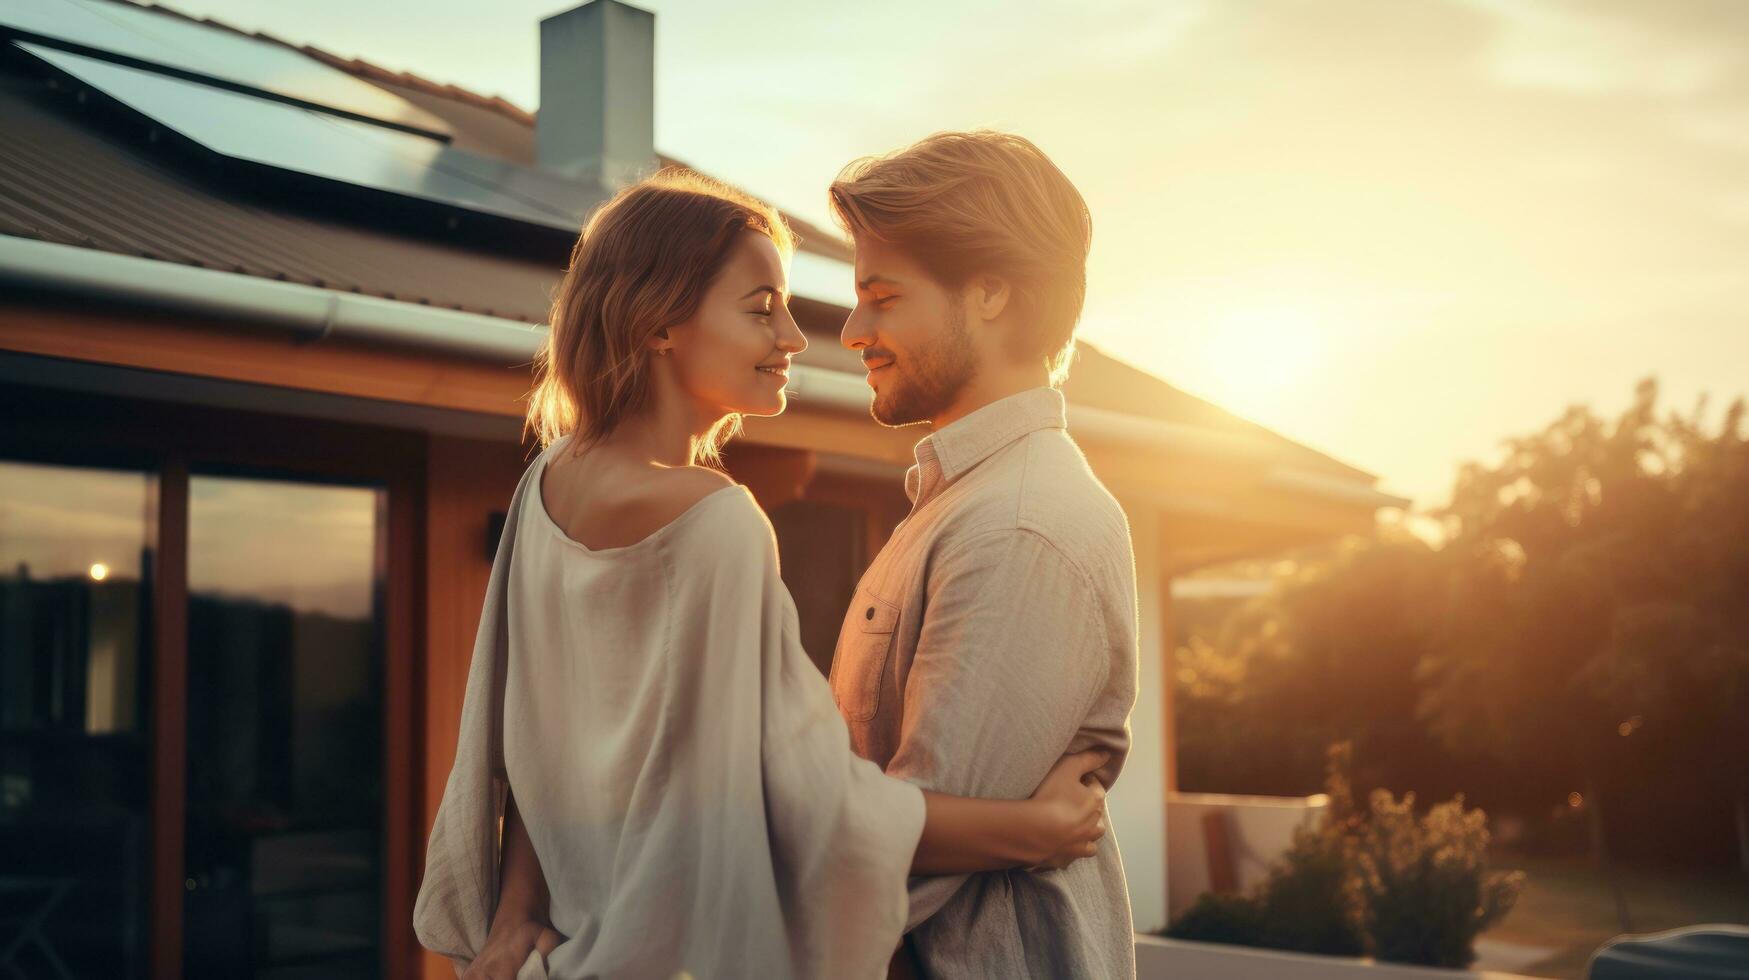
(924, 386)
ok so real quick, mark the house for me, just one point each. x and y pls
(266, 317)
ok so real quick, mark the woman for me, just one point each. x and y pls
(678, 790)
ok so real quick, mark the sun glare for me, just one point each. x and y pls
(1257, 352)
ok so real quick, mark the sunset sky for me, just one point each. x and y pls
(1396, 230)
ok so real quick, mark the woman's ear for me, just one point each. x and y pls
(659, 343)
(989, 296)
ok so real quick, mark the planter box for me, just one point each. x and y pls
(1256, 830)
(1172, 959)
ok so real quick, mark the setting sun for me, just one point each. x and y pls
(1256, 352)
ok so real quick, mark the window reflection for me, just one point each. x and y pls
(75, 567)
(284, 729)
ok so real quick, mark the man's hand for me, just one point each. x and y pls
(507, 947)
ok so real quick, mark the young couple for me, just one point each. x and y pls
(652, 779)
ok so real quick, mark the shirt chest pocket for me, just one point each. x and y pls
(865, 645)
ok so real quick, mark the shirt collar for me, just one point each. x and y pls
(945, 455)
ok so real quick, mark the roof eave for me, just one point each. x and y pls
(321, 313)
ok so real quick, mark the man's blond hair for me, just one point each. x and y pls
(982, 203)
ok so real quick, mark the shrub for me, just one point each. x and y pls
(1307, 905)
(1309, 902)
(1427, 889)
(1236, 919)
(1405, 888)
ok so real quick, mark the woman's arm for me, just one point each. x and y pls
(520, 924)
(522, 892)
(1063, 821)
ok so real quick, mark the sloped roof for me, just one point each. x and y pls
(1101, 380)
(78, 185)
(80, 181)
(488, 124)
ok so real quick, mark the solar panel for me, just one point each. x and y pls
(288, 137)
(125, 31)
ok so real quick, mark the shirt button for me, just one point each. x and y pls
(869, 614)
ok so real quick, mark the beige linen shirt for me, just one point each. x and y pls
(995, 632)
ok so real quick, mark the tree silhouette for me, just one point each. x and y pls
(1584, 629)
(1597, 592)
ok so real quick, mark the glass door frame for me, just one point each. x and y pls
(169, 440)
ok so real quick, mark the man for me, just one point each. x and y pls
(996, 630)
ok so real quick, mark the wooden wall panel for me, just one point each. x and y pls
(466, 482)
(265, 357)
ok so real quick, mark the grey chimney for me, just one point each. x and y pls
(597, 118)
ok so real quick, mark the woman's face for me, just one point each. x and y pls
(733, 356)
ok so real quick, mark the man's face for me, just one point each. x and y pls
(911, 334)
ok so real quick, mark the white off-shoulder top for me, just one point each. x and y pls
(679, 762)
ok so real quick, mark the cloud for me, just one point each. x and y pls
(1652, 49)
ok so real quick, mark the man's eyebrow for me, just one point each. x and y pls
(876, 280)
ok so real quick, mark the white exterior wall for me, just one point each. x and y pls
(1137, 803)
(1259, 830)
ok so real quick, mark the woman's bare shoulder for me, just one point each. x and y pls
(674, 493)
(675, 490)
(603, 510)
(737, 517)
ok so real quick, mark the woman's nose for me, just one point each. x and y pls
(790, 337)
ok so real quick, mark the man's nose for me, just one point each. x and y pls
(855, 334)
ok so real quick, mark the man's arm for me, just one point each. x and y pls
(1011, 656)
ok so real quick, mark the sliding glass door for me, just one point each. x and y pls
(204, 673)
(285, 720)
(76, 574)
